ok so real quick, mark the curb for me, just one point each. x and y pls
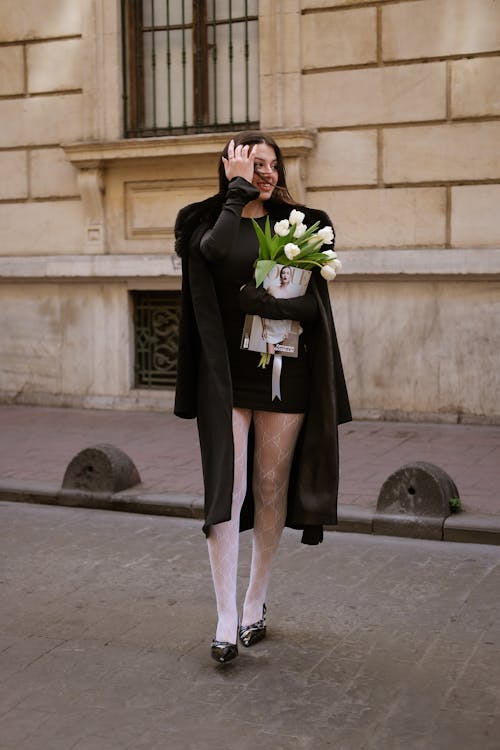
(463, 527)
(150, 503)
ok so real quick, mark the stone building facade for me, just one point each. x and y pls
(388, 112)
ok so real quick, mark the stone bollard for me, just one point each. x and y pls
(414, 501)
(101, 468)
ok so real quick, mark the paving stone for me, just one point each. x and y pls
(19, 725)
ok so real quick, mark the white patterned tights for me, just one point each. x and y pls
(275, 438)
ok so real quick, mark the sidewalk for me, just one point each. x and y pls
(37, 444)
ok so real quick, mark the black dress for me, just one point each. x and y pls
(252, 388)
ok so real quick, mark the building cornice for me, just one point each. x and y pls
(357, 265)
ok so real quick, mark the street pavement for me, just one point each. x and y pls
(374, 643)
(37, 444)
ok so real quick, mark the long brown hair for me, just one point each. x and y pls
(250, 138)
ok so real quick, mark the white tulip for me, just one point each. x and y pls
(326, 235)
(328, 272)
(282, 227)
(296, 217)
(300, 230)
(330, 254)
(291, 250)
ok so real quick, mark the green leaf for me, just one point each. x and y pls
(455, 505)
(267, 230)
(263, 244)
(262, 268)
(276, 245)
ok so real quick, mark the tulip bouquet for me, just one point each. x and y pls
(299, 247)
(293, 244)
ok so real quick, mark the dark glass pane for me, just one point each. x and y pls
(186, 73)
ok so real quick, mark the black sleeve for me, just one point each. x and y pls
(256, 301)
(219, 241)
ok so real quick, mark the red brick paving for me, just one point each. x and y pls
(38, 443)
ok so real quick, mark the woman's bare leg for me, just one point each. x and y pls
(275, 439)
(223, 538)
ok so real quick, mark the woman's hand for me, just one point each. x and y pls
(256, 301)
(239, 162)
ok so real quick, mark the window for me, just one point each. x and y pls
(156, 338)
(189, 66)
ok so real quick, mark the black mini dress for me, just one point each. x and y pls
(252, 386)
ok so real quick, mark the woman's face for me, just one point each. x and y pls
(285, 275)
(265, 176)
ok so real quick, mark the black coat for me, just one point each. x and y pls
(204, 388)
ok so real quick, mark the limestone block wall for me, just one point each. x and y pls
(388, 113)
(406, 97)
(41, 79)
(420, 348)
(66, 339)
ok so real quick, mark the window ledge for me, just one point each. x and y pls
(293, 142)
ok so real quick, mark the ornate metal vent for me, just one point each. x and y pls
(156, 338)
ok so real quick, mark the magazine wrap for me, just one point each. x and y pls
(279, 338)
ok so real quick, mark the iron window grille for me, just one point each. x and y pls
(156, 337)
(189, 66)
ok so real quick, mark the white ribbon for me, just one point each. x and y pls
(276, 376)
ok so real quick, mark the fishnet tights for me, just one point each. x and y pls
(275, 438)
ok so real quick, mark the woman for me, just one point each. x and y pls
(266, 463)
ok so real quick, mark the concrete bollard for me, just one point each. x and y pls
(414, 501)
(101, 468)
